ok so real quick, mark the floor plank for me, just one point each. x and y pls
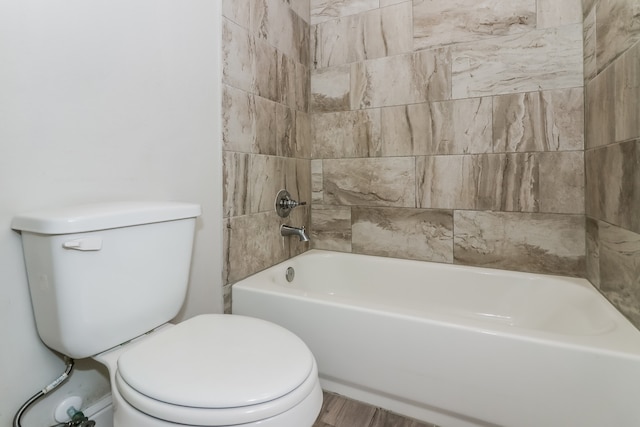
(339, 411)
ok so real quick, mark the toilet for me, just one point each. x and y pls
(105, 280)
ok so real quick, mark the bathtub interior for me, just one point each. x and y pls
(493, 298)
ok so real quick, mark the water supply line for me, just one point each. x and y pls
(54, 385)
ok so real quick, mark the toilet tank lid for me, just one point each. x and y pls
(102, 216)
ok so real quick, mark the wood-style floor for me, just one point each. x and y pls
(338, 411)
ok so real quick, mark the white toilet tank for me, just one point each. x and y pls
(102, 274)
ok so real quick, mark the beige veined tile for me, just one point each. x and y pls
(554, 13)
(407, 130)
(619, 268)
(324, 10)
(536, 60)
(255, 240)
(539, 121)
(445, 22)
(419, 234)
(462, 126)
(627, 94)
(346, 134)
(388, 181)
(330, 89)
(331, 228)
(540, 243)
(374, 34)
(403, 79)
(617, 29)
(238, 58)
(589, 37)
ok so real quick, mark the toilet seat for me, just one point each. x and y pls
(217, 370)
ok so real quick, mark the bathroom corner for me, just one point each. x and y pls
(612, 150)
(266, 132)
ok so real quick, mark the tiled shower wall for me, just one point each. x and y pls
(612, 84)
(449, 131)
(266, 130)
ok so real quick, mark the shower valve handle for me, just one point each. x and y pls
(284, 203)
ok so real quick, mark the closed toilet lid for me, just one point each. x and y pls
(217, 361)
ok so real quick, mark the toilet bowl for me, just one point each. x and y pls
(107, 274)
(209, 371)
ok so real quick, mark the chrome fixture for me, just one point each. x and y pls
(290, 274)
(284, 204)
(287, 230)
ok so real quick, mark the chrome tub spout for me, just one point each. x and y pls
(287, 230)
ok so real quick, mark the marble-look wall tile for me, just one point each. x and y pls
(600, 110)
(443, 182)
(252, 243)
(520, 190)
(444, 22)
(399, 80)
(265, 70)
(286, 132)
(617, 29)
(525, 182)
(267, 175)
(274, 21)
(292, 83)
(448, 127)
(251, 182)
(325, 10)
(562, 182)
(286, 81)
(495, 66)
(627, 94)
(293, 133)
(385, 3)
(235, 184)
(303, 135)
(237, 11)
(303, 88)
(346, 134)
(265, 126)
(248, 63)
(375, 34)
(248, 122)
(406, 130)
(619, 256)
(302, 8)
(539, 121)
(589, 46)
(495, 182)
(418, 234)
(238, 61)
(317, 193)
(461, 126)
(331, 228)
(592, 267)
(587, 6)
(539, 243)
(612, 177)
(386, 181)
(227, 299)
(330, 89)
(299, 184)
(554, 13)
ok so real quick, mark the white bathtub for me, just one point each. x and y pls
(456, 346)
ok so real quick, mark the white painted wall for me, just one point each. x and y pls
(102, 100)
